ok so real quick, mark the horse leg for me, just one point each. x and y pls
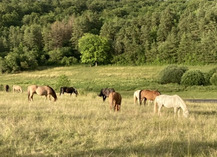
(135, 100)
(175, 111)
(155, 107)
(159, 108)
(31, 97)
(145, 101)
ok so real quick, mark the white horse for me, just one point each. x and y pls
(170, 101)
(136, 96)
(17, 88)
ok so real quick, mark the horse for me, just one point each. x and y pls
(148, 95)
(115, 101)
(41, 90)
(136, 97)
(68, 90)
(7, 88)
(105, 92)
(17, 88)
(170, 101)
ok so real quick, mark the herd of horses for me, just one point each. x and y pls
(115, 98)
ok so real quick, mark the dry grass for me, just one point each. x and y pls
(84, 126)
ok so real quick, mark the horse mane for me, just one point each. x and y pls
(53, 92)
(182, 103)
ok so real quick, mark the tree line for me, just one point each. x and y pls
(133, 32)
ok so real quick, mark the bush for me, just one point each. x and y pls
(194, 77)
(63, 80)
(209, 75)
(213, 79)
(172, 74)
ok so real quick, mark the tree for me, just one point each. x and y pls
(94, 49)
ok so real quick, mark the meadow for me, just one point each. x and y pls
(85, 126)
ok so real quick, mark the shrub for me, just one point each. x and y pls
(63, 80)
(194, 77)
(209, 75)
(172, 74)
(213, 79)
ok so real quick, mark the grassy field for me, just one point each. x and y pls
(85, 126)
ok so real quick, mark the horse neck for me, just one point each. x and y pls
(183, 105)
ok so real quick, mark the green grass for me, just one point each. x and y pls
(125, 79)
(85, 126)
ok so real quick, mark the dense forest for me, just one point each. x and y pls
(47, 32)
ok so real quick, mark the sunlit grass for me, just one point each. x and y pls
(85, 126)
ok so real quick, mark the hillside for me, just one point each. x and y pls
(138, 32)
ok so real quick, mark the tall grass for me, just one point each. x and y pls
(85, 126)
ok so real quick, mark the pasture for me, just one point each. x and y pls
(85, 126)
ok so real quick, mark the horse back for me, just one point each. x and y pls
(115, 97)
(149, 94)
(32, 88)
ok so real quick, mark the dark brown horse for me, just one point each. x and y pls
(105, 92)
(41, 90)
(7, 88)
(115, 101)
(148, 95)
(68, 90)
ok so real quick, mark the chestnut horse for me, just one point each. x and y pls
(148, 95)
(17, 88)
(115, 101)
(41, 90)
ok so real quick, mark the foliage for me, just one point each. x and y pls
(193, 77)
(213, 79)
(141, 32)
(172, 74)
(62, 81)
(94, 49)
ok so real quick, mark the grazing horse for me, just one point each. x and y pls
(136, 97)
(7, 88)
(68, 90)
(41, 90)
(115, 101)
(17, 88)
(170, 101)
(148, 95)
(105, 92)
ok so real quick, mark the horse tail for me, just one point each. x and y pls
(140, 102)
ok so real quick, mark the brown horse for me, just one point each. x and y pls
(115, 101)
(17, 88)
(41, 90)
(148, 95)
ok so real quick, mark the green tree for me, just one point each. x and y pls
(94, 49)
